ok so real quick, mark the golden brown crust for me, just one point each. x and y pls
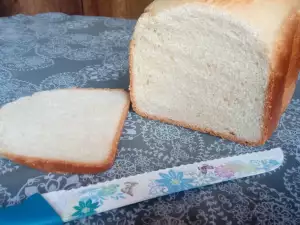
(61, 166)
(294, 68)
(282, 74)
(280, 77)
(158, 5)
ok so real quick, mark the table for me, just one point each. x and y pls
(54, 50)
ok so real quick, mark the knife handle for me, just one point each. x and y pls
(35, 210)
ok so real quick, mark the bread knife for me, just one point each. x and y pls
(63, 206)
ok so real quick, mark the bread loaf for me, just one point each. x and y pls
(64, 131)
(225, 67)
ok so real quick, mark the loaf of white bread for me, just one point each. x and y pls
(64, 131)
(225, 67)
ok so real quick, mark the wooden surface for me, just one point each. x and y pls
(6, 7)
(111, 8)
(104, 8)
(136, 7)
(39, 6)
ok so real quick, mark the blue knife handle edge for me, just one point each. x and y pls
(35, 210)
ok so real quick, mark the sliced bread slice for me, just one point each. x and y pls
(64, 131)
(224, 67)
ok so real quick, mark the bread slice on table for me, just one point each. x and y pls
(64, 131)
(225, 67)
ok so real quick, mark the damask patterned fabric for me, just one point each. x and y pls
(52, 51)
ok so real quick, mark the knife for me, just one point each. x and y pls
(63, 206)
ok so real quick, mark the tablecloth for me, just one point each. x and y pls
(54, 50)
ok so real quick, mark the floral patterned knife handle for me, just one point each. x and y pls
(64, 206)
(86, 201)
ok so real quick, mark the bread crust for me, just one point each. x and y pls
(61, 166)
(294, 68)
(281, 76)
(281, 85)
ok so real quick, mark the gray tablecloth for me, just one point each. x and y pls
(51, 51)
